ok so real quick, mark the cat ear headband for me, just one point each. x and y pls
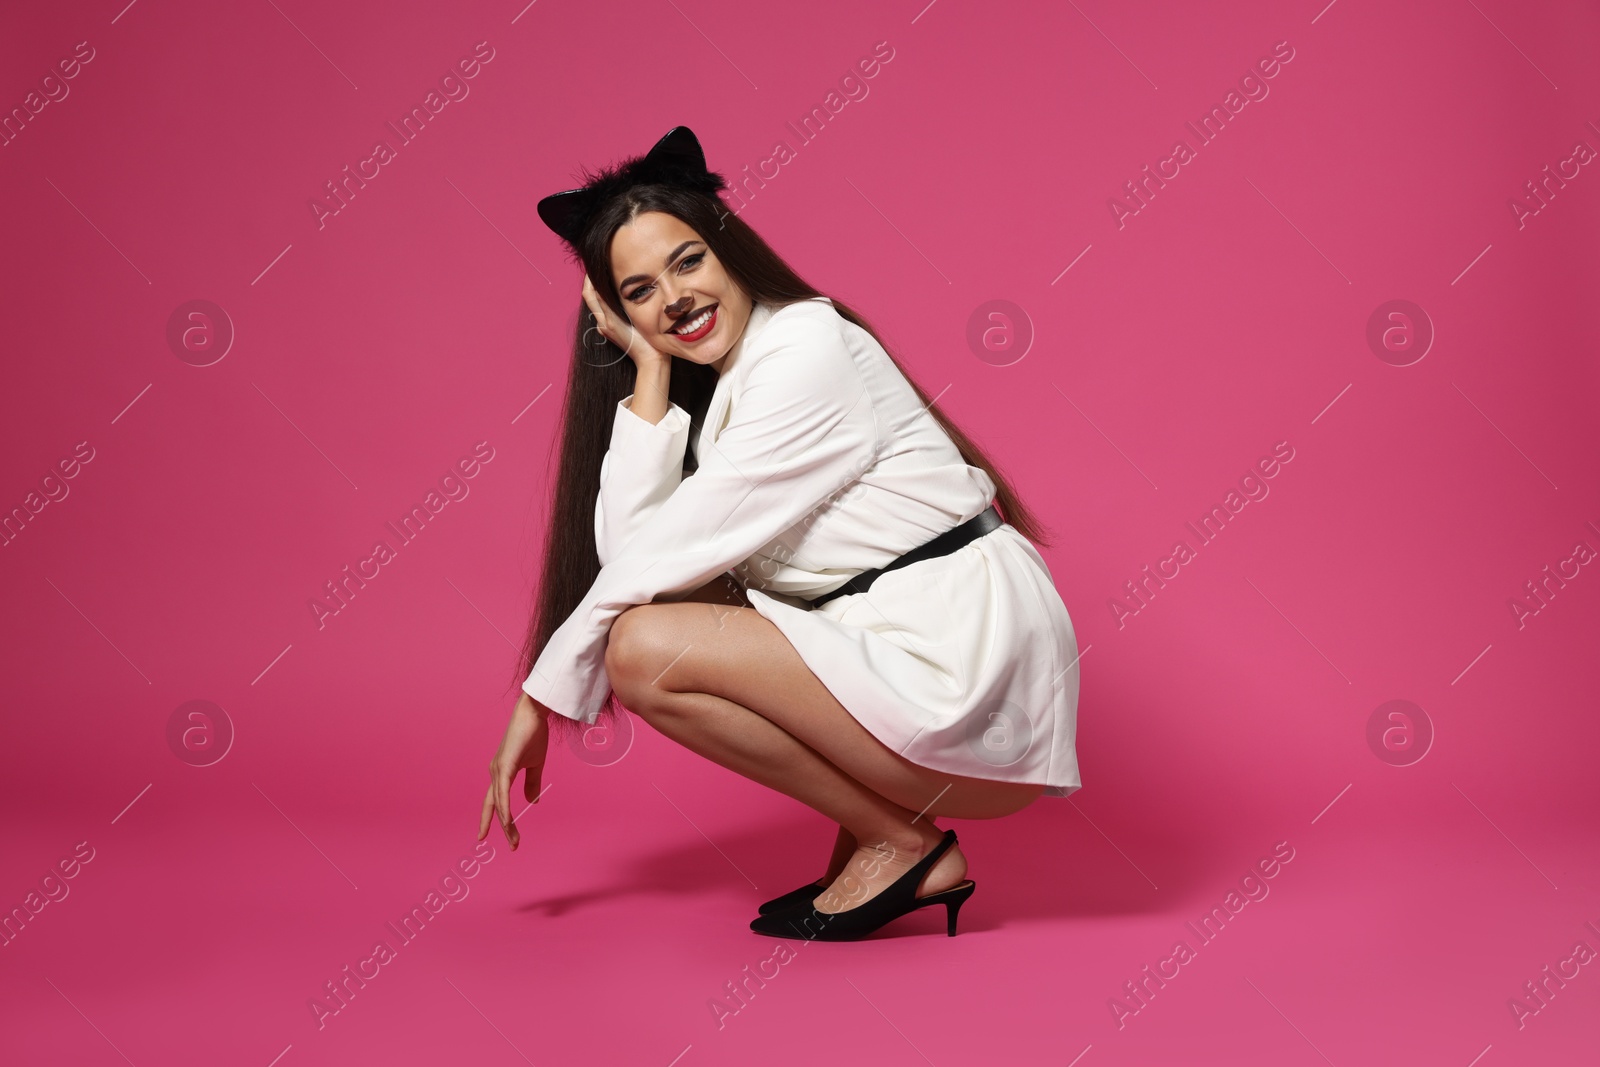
(676, 159)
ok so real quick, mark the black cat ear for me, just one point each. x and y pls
(680, 147)
(676, 159)
(563, 212)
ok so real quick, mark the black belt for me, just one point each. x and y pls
(946, 543)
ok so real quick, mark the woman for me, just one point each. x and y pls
(825, 601)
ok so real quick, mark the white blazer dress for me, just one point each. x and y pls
(816, 461)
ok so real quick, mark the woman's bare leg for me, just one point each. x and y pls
(726, 683)
(725, 591)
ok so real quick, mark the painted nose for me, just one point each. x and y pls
(679, 306)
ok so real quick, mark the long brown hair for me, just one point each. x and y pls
(601, 375)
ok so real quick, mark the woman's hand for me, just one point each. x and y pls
(654, 369)
(524, 747)
(619, 331)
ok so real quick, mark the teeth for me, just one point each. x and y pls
(694, 324)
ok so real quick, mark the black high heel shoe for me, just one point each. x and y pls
(804, 895)
(804, 922)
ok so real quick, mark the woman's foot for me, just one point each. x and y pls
(873, 868)
(844, 847)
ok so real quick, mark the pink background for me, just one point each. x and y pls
(1228, 715)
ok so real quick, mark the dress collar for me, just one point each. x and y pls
(721, 396)
(759, 314)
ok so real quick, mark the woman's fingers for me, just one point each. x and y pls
(495, 804)
(592, 297)
(533, 773)
(522, 748)
(488, 812)
(606, 321)
(502, 794)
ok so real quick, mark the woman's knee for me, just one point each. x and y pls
(634, 655)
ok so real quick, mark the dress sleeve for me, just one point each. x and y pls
(803, 429)
(642, 467)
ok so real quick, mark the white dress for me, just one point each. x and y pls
(816, 462)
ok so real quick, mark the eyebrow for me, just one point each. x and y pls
(671, 258)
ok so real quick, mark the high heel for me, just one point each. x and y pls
(804, 922)
(952, 899)
(804, 895)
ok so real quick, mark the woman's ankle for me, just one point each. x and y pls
(844, 847)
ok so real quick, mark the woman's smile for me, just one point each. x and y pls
(696, 326)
